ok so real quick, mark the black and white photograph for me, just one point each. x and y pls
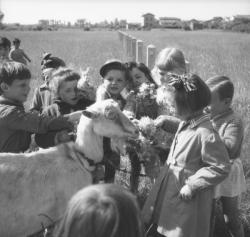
(124, 118)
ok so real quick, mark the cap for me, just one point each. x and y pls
(51, 62)
(112, 64)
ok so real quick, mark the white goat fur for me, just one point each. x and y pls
(43, 182)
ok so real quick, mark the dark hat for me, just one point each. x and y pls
(16, 40)
(51, 62)
(112, 64)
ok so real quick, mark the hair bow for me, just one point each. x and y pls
(181, 81)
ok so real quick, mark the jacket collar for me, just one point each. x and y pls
(194, 122)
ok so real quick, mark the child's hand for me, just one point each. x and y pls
(186, 192)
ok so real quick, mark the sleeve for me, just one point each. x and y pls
(36, 103)
(27, 121)
(232, 138)
(47, 139)
(216, 165)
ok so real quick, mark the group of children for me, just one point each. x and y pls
(203, 162)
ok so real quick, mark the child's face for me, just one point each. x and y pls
(218, 105)
(18, 91)
(138, 77)
(68, 92)
(114, 81)
(4, 52)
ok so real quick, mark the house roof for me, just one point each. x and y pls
(170, 18)
(147, 14)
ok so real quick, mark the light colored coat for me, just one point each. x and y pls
(42, 182)
(199, 159)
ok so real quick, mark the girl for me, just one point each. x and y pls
(115, 78)
(135, 107)
(64, 87)
(180, 202)
(100, 211)
(168, 60)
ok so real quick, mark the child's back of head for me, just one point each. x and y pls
(168, 60)
(100, 211)
(223, 85)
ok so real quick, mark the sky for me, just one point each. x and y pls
(30, 11)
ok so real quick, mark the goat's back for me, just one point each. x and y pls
(36, 184)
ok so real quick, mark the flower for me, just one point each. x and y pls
(147, 91)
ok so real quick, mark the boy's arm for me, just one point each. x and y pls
(232, 138)
(35, 123)
(216, 165)
(26, 56)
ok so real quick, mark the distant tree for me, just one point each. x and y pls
(80, 23)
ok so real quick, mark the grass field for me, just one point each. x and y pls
(209, 53)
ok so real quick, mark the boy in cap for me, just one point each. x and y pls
(43, 96)
(18, 54)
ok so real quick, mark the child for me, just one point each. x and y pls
(140, 74)
(42, 95)
(230, 129)
(180, 202)
(4, 49)
(103, 210)
(168, 60)
(115, 78)
(18, 54)
(64, 86)
(16, 125)
(138, 106)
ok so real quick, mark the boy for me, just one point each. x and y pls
(4, 49)
(18, 54)
(230, 128)
(43, 96)
(16, 125)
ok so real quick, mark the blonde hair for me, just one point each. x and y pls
(60, 75)
(170, 59)
(102, 210)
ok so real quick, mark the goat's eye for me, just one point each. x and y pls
(112, 115)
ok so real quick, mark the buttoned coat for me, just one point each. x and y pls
(199, 159)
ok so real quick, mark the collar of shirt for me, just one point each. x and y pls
(7, 101)
(194, 122)
(223, 114)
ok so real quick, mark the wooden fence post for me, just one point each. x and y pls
(127, 46)
(139, 51)
(133, 49)
(151, 53)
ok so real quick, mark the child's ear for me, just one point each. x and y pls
(4, 86)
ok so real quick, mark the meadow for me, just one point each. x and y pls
(209, 53)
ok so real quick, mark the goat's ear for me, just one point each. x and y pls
(89, 114)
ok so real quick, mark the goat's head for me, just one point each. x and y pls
(109, 121)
